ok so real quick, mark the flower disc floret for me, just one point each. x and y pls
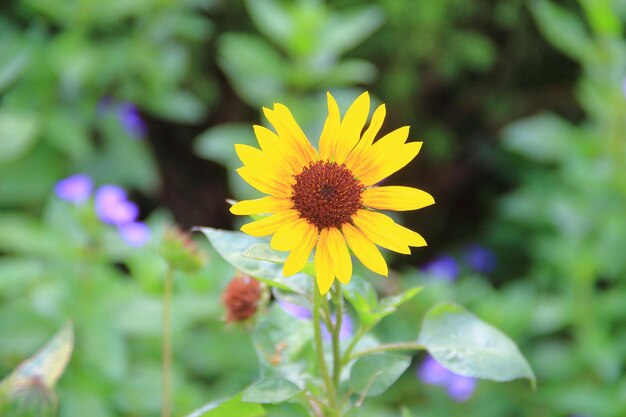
(327, 194)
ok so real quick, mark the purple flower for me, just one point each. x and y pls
(296, 310)
(346, 331)
(480, 259)
(113, 207)
(131, 120)
(460, 388)
(135, 233)
(431, 372)
(443, 268)
(75, 189)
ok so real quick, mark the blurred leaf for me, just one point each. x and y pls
(469, 347)
(177, 106)
(270, 390)
(602, 17)
(46, 366)
(282, 343)
(18, 132)
(374, 374)
(286, 410)
(68, 133)
(230, 407)
(351, 71)
(263, 252)
(272, 20)
(346, 30)
(13, 61)
(255, 69)
(563, 29)
(544, 137)
(218, 143)
(232, 245)
(365, 302)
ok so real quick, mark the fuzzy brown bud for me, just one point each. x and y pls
(241, 298)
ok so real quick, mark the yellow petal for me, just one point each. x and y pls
(397, 160)
(342, 264)
(287, 128)
(261, 206)
(299, 256)
(278, 152)
(368, 137)
(323, 263)
(351, 127)
(269, 225)
(289, 235)
(380, 152)
(330, 132)
(381, 230)
(365, 250)
(396, 198)
(264, 183)
(257, 160)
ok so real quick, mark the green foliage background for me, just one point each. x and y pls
(522, 109)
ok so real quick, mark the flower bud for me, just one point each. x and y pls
(241, 298)
(180, 251)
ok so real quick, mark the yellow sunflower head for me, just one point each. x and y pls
(327, 200)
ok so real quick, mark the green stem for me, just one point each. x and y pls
(166, 406)
(388, 348)
(359, 334)
(338, 301)
(319, 350)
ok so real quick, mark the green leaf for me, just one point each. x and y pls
(272, 20)
(286, 410)
(270, 390)
(543, 138)
(46, 366)
(263, 252)
(218, 143)
(362, 295)
(282, 344)
(18, 132)
(255, 69)
(231, 407)
(374, 374)
(346, 30)
(13, 61)
(467, 346)
(232, 246)
(563, 29)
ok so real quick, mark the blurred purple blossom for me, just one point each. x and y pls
(113, 207)
(346, 331)
(303, 313)
(460, 388)
(480, 259)
(296, 310)
(76, 189)
(131, 120)
(135, 233)
(443, 268)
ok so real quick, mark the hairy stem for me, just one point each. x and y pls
(166, 407)
(319, 350)
(337, 363)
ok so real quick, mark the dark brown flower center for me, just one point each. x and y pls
(326, 194)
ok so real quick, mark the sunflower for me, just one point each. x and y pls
(327, 199)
